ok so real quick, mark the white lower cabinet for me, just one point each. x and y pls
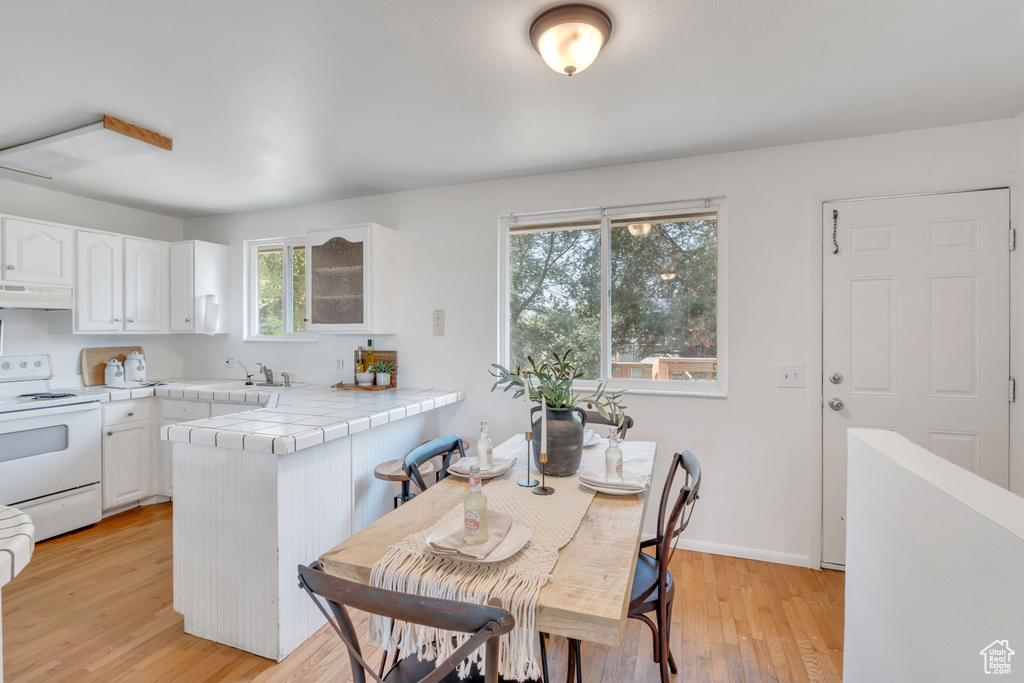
(127, 454)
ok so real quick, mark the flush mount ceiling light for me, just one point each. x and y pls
(73, 150)
(639, 229)
(569, 37)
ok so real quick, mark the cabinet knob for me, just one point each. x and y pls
(110, 433)
(131, 320)
(117, 320)
(188, 320)
(131, 414)
(10, 267)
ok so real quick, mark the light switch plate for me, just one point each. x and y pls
(791, 375)
(439, 321)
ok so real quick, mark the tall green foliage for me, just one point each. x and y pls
(554, 298)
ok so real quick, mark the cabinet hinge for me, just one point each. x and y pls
(1013, 239)
(1013, 390)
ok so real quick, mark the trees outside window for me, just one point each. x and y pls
(662, 289)
(278, 289)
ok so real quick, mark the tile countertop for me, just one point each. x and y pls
(205, 390)
(304, 416)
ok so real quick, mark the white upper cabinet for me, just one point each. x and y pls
(199, 283)
(99, 294)
(145, 285)
(350, 280)
(37, 252)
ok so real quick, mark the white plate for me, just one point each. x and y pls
(610, 491)
(514, 541)
(590, 438)
(501, 466)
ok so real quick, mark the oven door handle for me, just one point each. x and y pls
(44, 412)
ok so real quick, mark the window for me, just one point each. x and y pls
(277, 288)
(638, 293)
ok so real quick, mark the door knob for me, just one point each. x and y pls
(836, 378)
(836, 404)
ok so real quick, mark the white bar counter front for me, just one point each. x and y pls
(258, 492)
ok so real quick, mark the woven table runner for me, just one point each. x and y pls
(409, 567)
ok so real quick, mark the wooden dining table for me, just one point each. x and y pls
(588, 594)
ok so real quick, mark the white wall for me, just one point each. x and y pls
(925, 595)
(760, 447)
(28, 332)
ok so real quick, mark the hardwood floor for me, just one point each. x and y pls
(95, 605)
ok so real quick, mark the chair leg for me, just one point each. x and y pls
(544, 656)
(663, 650)
(668, 637)
(574, 646)
(654, 632)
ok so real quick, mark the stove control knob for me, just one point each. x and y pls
(5, 366)
(39, 363)
(24, 364)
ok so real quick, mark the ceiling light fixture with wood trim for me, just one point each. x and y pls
(569, 37)
(107, 140)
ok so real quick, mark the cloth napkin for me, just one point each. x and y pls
(631, 479)
(497, 465)
(498, 524)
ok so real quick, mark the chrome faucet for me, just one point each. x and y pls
(268, 374)
(287, 379)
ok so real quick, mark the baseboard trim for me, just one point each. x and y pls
(744, 552)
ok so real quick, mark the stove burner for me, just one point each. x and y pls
(44, 396)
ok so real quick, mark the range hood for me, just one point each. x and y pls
(39, 297)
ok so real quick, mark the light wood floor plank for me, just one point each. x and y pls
(95, 605)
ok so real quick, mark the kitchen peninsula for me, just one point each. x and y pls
(258, 492)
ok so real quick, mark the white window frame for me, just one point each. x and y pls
(715, 388)
(251, 308)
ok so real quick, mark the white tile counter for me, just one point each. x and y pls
(303, 415)
(259, 491)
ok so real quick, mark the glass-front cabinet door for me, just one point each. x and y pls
(337, 280)
(347, 288)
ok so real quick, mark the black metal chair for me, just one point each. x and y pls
(653, 589)
(485, 623)
(445, 446)
(596, 418)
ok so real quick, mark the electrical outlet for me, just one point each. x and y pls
(439, 322)
(791, 375)
(340, 364)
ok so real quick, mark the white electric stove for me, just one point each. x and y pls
(50, 459)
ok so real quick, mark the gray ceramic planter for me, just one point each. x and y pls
(565, 440)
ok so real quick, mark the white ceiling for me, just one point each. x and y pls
(272, 103)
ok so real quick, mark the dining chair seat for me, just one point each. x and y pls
(644, 577)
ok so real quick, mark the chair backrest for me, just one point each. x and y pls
(594, 417)
(678, 518)
(443, 445)
(485, 623)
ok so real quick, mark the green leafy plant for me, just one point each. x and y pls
(552, 382)
(384, 367)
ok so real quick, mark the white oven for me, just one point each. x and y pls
(50, 460)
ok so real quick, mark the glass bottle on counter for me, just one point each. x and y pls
(475, 507)
(360, 364)
(613, 457)
(371, 359)
(484, 448)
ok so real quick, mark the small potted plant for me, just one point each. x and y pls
(383, 369)
(551, 382)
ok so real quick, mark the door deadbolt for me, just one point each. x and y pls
(836, 378)
(836, 404)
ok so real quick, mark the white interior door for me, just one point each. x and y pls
(916, 324)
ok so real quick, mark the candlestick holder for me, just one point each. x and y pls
(543, 489)
(529, 481)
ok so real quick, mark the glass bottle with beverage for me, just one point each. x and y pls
(484, 448)
(371, 359)
(613, 457)
(475, 507)
(360, 365)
